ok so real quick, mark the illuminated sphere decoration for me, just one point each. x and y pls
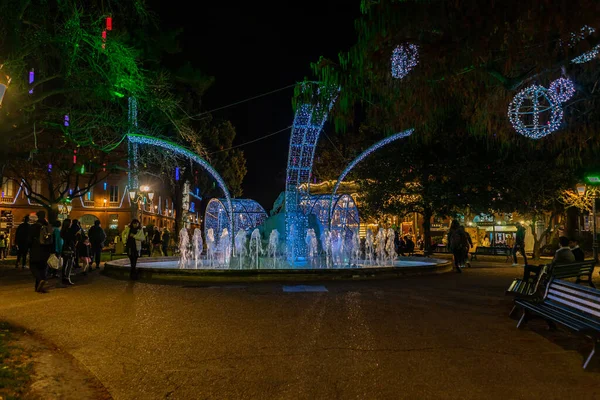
(404, 58)
(535, 112)
(563, 89)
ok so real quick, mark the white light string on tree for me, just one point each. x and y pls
(404, 58)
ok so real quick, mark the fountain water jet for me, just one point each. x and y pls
(326, 245)
(240, 246)
(369, 246)
(184, 246)
(210, 245)
(311, 245)
(224, 247)
(380, 240)
(198, 246)
(273, 245)
(390, 246)
(255, 247)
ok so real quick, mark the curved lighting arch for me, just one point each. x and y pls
(165, 144)
(361, 157)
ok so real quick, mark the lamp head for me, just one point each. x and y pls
(132, 194)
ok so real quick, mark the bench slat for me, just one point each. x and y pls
(588, 320)
(576, 303)
(563, 319)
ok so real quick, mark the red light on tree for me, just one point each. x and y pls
(75, 156)
(109, 23)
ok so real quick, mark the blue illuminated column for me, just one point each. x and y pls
(307, 126)
(132, 147)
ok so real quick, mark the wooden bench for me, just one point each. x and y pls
(574, 306)
(492, 251)
(518, 287)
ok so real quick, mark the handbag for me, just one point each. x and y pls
(53, 261)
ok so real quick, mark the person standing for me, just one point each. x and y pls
(76, 229)
(133, 236)
(40, 241)
(97, 237)
(2, 245)
(22, 241)
(519, 244)
(576, 250)
(166, 237)
(457, 244)
(57, 244)
(68, 251)
(156, 242)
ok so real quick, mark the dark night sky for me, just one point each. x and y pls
(253, 48)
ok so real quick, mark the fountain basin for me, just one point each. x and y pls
(167, 269)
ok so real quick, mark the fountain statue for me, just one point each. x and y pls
(390, 246)
(184, 245)
(326, 245)
(369, 246)
(210, 245)
(380, 241)
(255, 248)
(224, 248)
(240, 246)
(198, 246)
(273, 246)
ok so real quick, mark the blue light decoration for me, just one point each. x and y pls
(306, 128)
(66, 120)
(31, 79)
(105, 185)
(152, 141)
(177, 173)
(535, 112)
(587, 56)
(344, 218)
(563, 89)
(404, 58)
(362, 156)
(49, 167)
(247, 215)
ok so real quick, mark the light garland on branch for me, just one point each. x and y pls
(563, 89)
(529, 105)
(587, 56)
(404, 58)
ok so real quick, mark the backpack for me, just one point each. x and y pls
(45, 238)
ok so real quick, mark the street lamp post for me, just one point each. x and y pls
(593, 180)
(137, 196)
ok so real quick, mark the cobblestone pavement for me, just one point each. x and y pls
(445, 336)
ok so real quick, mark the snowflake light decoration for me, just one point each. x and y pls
(587, 56)
(404, 58)
(563, 89)
(535, 112)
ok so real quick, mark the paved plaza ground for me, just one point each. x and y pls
(432, 337)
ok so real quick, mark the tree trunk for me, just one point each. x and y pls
(52, 211)
(543, 236)
(572, 225)
(427, 214)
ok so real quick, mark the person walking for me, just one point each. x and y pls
(40, 241)
(97, 238)
(84, 252)
(457, 243)
(133, 236)
(156, 242)
(57, 244)
(519, 244)
(76, 229)
(22, 241)
(67, 234)
(166, 238)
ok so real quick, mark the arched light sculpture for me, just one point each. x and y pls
(535, 112)
(247, 215)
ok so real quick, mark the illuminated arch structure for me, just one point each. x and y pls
(361, 157)
(345, 217)
(135, 140)
(247, 215)
(308, 123)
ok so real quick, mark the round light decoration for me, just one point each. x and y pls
(535, 112)
(404, 58)
(563, 89)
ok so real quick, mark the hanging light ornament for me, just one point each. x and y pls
(563, 89)
(404, 58)
(535, 112)
(587, 56)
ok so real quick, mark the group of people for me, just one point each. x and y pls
(568, 252)
(65, 241)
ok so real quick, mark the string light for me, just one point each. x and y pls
(404, 58)
(306, 128)
(529, 105)
(31, 79)
(66, 120)
(247, 215)
(563, 89)
(148, 140)
(587, 56)
(177, 173)
(362, 156)
(103, 39)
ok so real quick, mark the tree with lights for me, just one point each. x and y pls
(453, 77)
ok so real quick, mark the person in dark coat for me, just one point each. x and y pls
(22, 241)
(166, 237)
(68, 251)
(97, 237)
(40, 243)
(576, 250)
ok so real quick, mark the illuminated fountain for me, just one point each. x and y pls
(210, 246)
(273, 246)
(255, 249)
(198, 247)
(184, 248)
(240, 247)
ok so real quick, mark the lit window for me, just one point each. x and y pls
(114, 193)
(90, 194)
(36, 186)
(7, 188)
